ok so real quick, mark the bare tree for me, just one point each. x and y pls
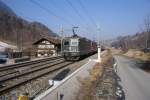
(147, 30)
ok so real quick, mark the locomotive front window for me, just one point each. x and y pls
(66, 43)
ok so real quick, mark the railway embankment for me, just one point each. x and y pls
(100, 85)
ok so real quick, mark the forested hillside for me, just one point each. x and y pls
(137, 41)
(18, 31)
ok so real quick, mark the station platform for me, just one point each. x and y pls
(68, 88)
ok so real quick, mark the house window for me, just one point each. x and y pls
(46, 46)
(50, 46)
(41, 46)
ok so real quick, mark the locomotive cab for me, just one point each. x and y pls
(70, 48)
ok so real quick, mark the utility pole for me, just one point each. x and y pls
(18, 40)
(147, 26)
(21, 41)
(62, 33)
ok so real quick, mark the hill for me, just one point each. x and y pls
(18, 31)
(6, 9)
(137, 41)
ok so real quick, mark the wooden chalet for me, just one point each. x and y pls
(47, 47)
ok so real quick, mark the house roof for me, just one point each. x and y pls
(5, 45)
(50, 39)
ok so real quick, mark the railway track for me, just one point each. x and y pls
(35, 79)
(32, 70)
(8, 67)
(16, 80)
(17, 71)
(11, 69)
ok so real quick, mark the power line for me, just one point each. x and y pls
(86, 11)
(50, 12)
(74, 9)
(77, 12)
(55, 15)
(53, 3)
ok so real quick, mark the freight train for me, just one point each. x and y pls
(76, 47)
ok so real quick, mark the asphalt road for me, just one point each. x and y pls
(135, 82)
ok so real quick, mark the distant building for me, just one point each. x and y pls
(47, 47)
(4, 47)
(6, 50)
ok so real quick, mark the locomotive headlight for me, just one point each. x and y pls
(73, 48)
(74, 54)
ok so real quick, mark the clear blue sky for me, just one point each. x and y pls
(114, 17)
